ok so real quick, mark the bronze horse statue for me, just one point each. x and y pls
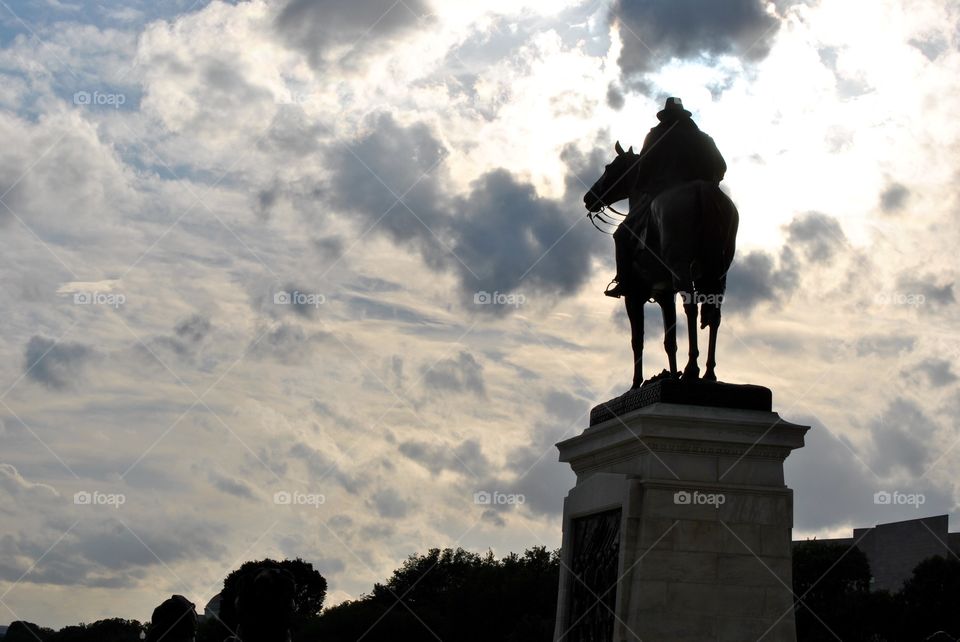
(684, 244)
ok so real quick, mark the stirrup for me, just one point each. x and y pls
(614, 289)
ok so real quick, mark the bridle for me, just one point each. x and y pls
(601, 213)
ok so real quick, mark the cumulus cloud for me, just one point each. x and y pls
(817, 235)
(933, 289)
(322, 466)
(903, 438)
(500, 236)
(939, 372)
(812, 239)
(286, 343)
(325, 29)
(894, 198)
(655, 31)
(230, 485)
(466, 458)
(462, 373)
(57, 365)
(193, 329)
(754, 278)
(390, 504)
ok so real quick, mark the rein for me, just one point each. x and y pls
(599, 214)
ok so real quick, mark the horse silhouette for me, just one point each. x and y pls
(685, 239)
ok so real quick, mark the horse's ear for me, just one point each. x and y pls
(630, 151)
(618, 148)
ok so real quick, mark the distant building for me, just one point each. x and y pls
(895, 549)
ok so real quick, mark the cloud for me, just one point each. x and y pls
(902, 438)
(499, 236)
(753, 279)
(812, 239)
(939, 372)
(106, 553)
(655, 31)
(287, 343)
(389, 504)
(884, 345)
(386, 176)
(510, 239)
(15, 485)
(462, 373)
(363, 307)
(894, 197)
(828, 466)
(615, 98)
(316, 27)
(466, 458)
(322, 467)
(929, 286)
(230, 485)
(193, 328)
(819, 236)
(55, 365)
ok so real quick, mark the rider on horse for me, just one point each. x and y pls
(674, 152)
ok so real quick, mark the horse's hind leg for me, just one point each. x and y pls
(669, 308)
(692, 370)
(711, 318)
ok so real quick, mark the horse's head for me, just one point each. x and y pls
(617, 180)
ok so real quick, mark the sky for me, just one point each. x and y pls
(297, 278)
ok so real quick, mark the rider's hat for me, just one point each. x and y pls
(673, 107)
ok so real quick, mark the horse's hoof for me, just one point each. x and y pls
(709, 376)
(690, 375)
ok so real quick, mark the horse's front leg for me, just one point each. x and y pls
(668, 306)
(692, 371)
(634, 307)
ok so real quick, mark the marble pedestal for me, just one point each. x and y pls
(679, 527)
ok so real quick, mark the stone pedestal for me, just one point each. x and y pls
(679, 526)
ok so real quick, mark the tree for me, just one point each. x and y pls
(308, 601)
(452, 595)
(831, 582)
(21, 631)
(110, 630)
(931, 598)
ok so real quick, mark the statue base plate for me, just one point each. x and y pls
(692, 393)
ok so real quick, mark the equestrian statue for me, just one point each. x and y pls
(677, 238)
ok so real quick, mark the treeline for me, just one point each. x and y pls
(452, 595)
(112, 630)
(459, 595)
(834, 599)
